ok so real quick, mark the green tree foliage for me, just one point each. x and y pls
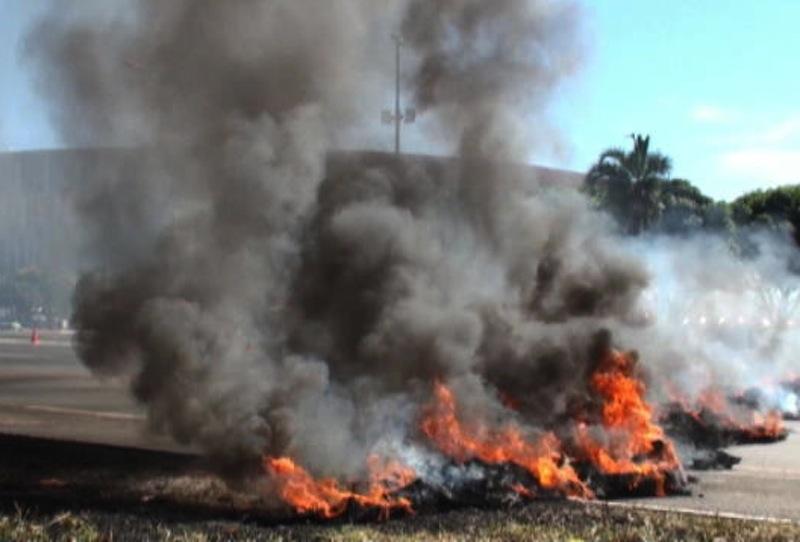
(717, 217)
(636, 189)
(628, 184)
(775, 209)
(682, 206)
(685, 209)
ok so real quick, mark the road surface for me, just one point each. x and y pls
(766, 483)
(45, 391)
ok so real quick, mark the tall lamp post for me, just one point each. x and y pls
(398, 117)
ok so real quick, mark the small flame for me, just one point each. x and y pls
(638, 446)
(769, 425)
(712, 406)
(506, 444)
(326, 498)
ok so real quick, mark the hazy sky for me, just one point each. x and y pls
(715, 82)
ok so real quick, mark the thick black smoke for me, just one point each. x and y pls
(263, 303)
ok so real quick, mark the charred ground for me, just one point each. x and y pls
(48, 504)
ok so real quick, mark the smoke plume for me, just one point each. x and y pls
(263, 300)
(717, 319)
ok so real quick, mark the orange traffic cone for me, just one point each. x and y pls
(35, 337)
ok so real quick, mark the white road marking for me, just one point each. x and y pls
(79, 412)
(67, 343)
(44, 375)
(692, 511)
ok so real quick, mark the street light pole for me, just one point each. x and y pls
(398, 40)
(398, 117)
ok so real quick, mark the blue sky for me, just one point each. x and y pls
(716, 83)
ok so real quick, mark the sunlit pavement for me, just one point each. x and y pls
(45, 391)
(765, 484)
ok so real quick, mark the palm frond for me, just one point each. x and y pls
(658, 164)
(614, 154)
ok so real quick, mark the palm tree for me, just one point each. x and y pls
(628, 183)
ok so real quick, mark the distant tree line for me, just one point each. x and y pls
(635, 187)
(775, 209)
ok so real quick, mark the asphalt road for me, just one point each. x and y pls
(766, 483)
(45, 391)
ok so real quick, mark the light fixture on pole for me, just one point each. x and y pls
(396, 118)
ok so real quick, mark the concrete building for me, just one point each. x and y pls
(37, 224)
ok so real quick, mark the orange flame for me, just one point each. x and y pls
(756, 426)
(628, 420)
(769, 425)
(635, 446)
(749, 423)
(326, 498)
(502, 445)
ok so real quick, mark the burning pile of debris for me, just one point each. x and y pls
(613, 448)
(395, 334)
(716, 420)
